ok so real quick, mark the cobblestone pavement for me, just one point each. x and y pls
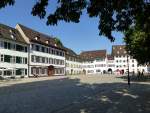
(75, 94)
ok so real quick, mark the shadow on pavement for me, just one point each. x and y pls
(71, 96)
(136, 78)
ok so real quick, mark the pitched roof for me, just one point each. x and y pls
(70, 52)
(118, 50)
(10, 33)
(41, 38)
(110, 57)
(93, 54)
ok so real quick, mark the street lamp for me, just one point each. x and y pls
(128, 69)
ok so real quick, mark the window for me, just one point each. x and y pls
(132, 65)
(13, 46)
(25, 71)
(37, 48)
(0, 72)
(37, 58)
(61, 54)
(19, 72)
(25, 60)
(1, 44)
(7, 58)
(42, 71)
(43, 59)
(52, 51)
(9, 47)
(19, 48)
(47, 60)
(46, 50)
(26, 49)
(43, 49)
(18, 60)
(98, 70)
(32, 58)
(57, 52)
(5, 45)
(2, 58)
(32, 46)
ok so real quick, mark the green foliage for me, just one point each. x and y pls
(4, 3)
(138, 45)
(114, 15)
(58, 42)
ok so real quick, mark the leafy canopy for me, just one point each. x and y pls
(114, 15)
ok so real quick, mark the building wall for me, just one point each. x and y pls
(73, 67)
(13, 62)
(40, 59)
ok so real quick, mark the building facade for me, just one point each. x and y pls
(73, 63)
(123, 61)
(46, 57)
(26, 52)
(95, 62)
(13, 53)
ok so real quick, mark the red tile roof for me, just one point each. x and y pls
(41, 38)
(93, 54)
(118, 50)
(110, 57)
(7, 33)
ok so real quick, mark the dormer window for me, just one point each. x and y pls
(36, 38)
(47, 42)
(13, 37)
(10, 31)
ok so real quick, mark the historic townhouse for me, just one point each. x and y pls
(121, 57)
(46, 57)
(94, 61)
(13, 53)
(73, 63)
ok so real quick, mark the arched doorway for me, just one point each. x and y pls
(51, 70)
(110, 70)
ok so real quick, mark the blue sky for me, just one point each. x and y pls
(82, 36)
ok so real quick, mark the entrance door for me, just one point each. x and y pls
(50, 70)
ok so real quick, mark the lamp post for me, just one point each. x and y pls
(128, 70)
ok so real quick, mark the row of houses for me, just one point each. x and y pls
(25, 52)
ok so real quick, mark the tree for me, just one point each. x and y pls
(58, 42)
(138, 45)
(114, 15)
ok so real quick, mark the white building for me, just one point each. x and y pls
(13, 53)
(46, 57)
(26, 52)
(94, 61)
(122, 61)
(73, 63)
(110, 64)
